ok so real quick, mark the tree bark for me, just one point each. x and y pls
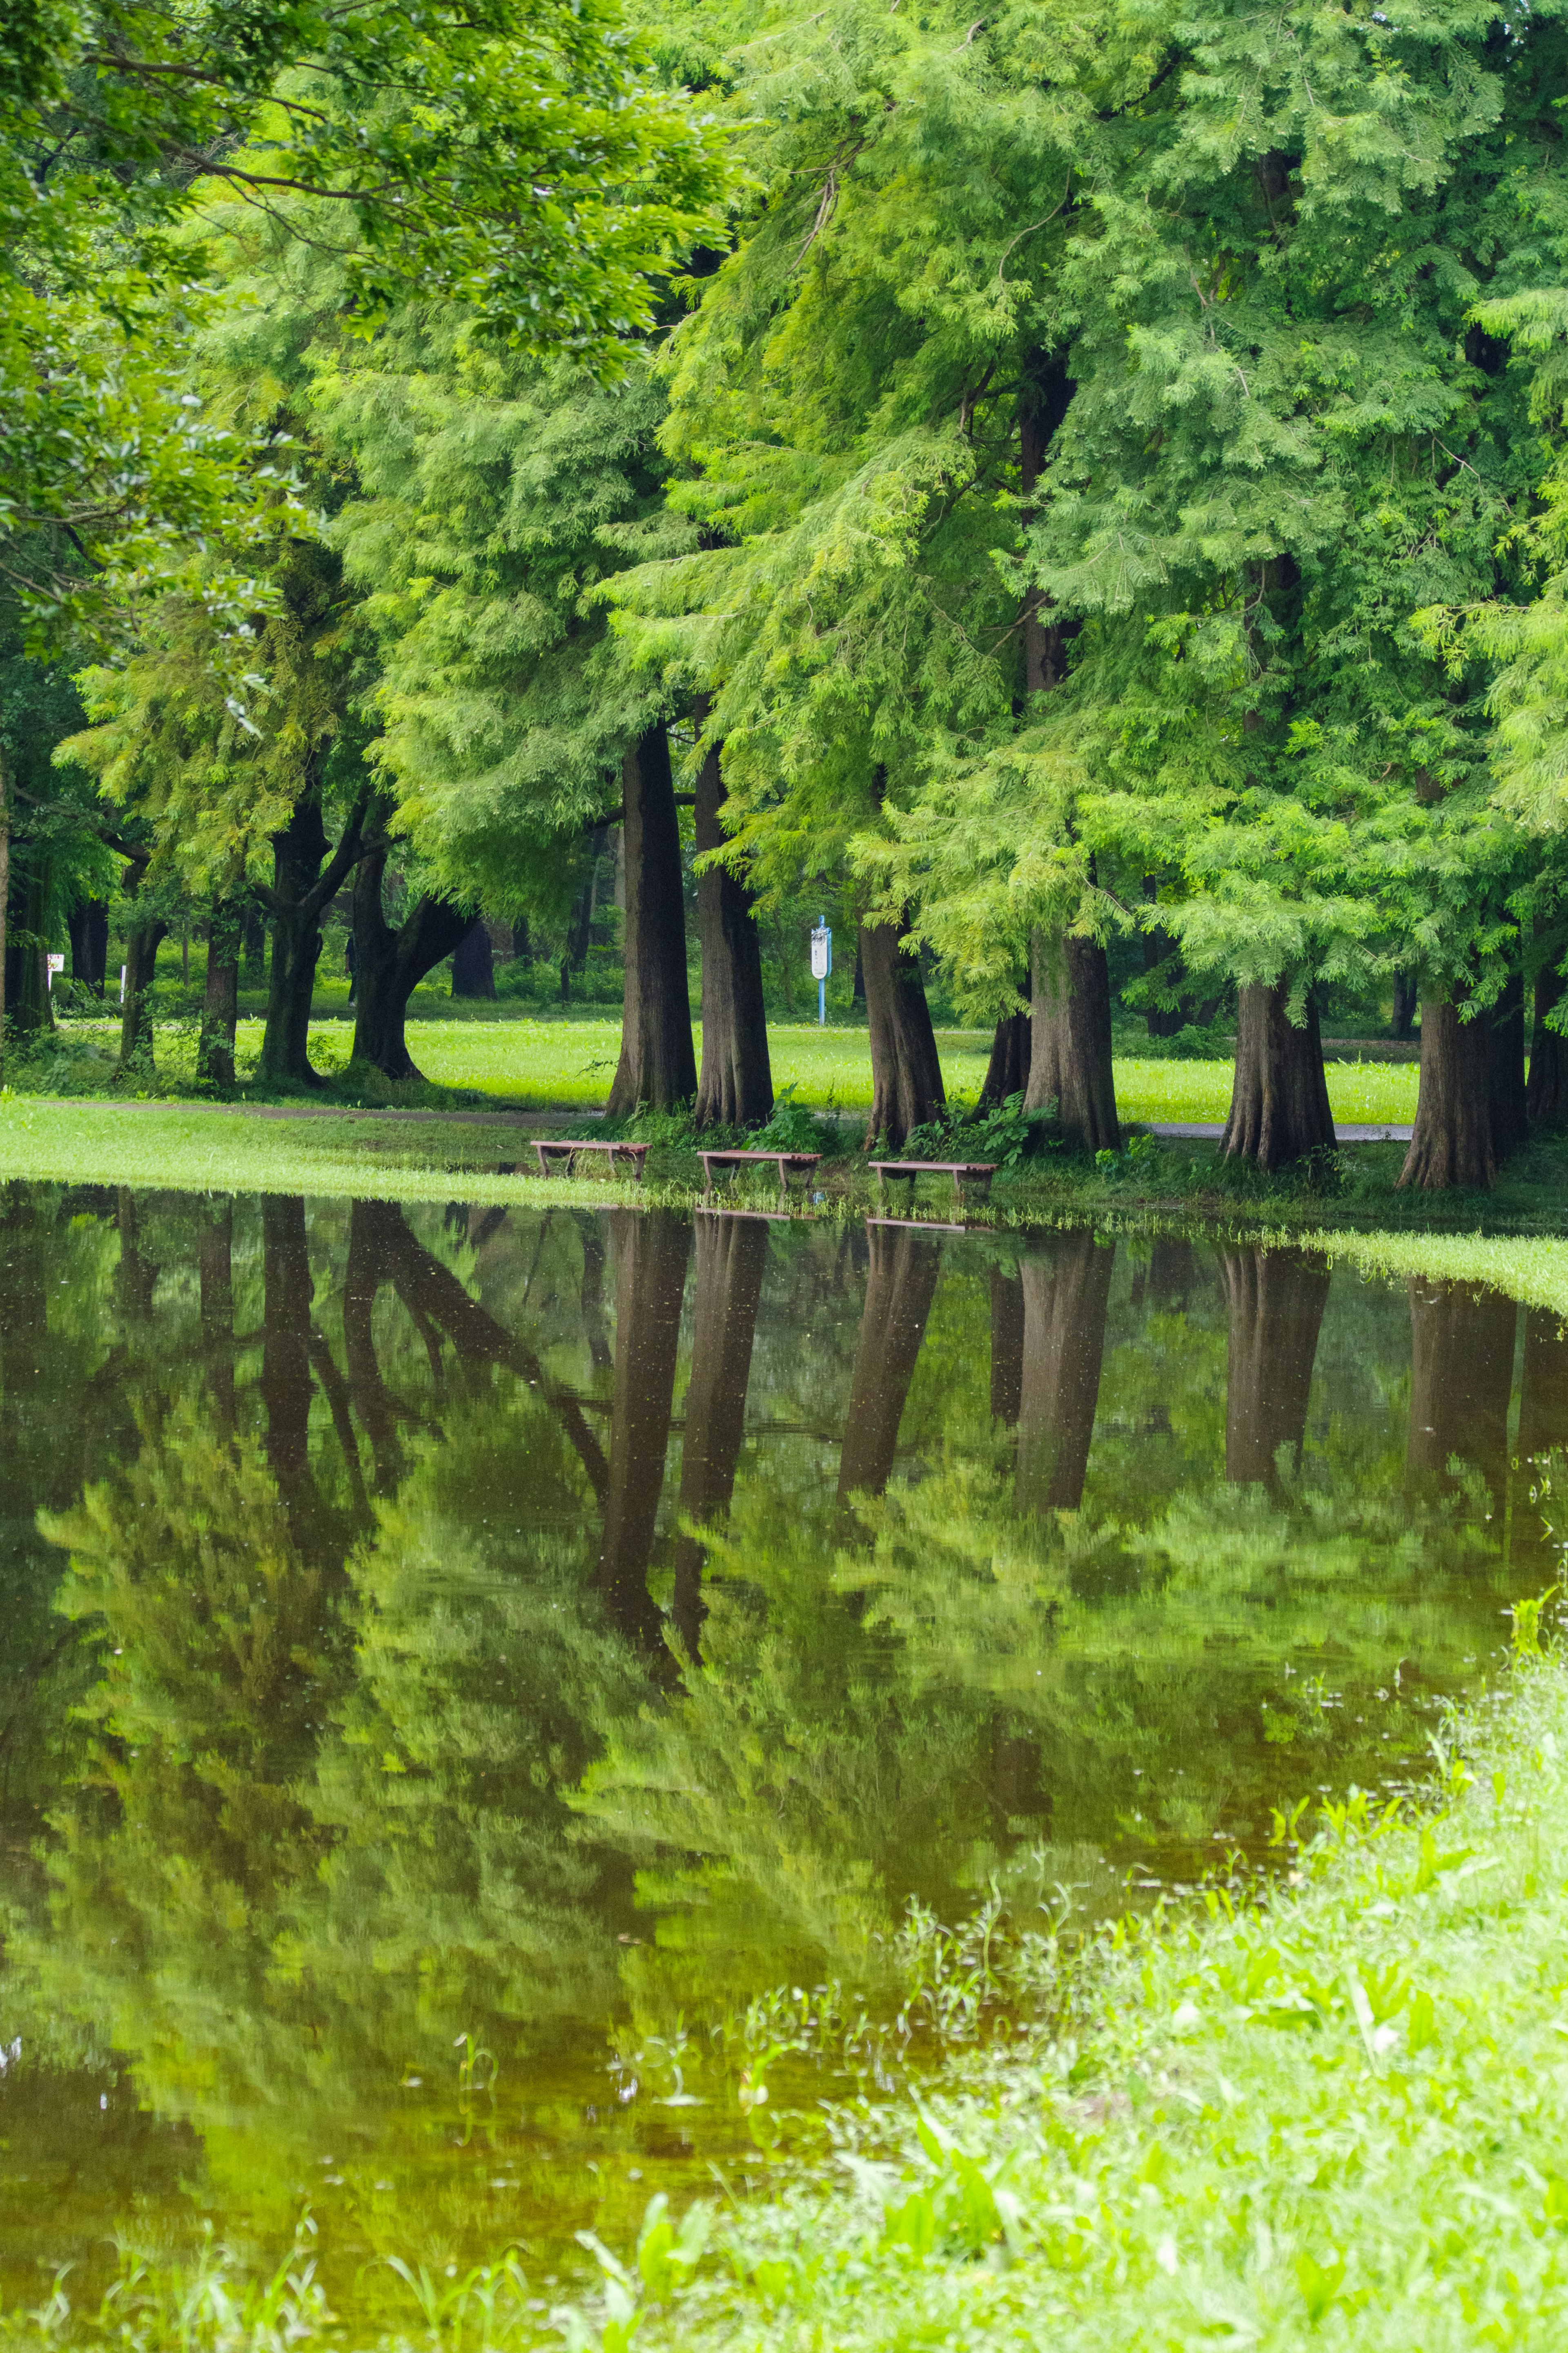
(27, 983)
(1511, 1121)
(473, 961)
(88, 925)
(1006, 1346)
(906, 1069)
(389, 964)
(1067, 1296)
(731, 1259)
(144, 937)
(1069, 1057)
(1043, 403)
(651, 1247)
(1007, 1071)
(1406, 998)
(658, 1068)
(5, 889)
(1546, 1096)
(301, 886)
(736, 1086)
(1275, 1300)
(220, 1001)
(254, 967)
(1461, 1378)
(1452, 1141)
(1279, 1097)
(900, 1283)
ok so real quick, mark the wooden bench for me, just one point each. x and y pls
(977, 1173)
(788, 1164)
(568, 1146)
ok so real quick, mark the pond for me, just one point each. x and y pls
(454, 1665)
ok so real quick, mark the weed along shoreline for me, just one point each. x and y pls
(1325, 2106)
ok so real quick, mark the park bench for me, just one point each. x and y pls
(566, 1146)
(977, 1173)
(788, 1164)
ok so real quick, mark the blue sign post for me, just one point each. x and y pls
(821, 966)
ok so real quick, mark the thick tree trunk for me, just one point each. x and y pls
(658, 1068)
(906, 1071)
(28, 982)
(88, 925)
(473, 961)
(1461, 1378)
(1510, 1122)
(1275, 1300)
(900, 1283)
(1452, 1140)
(1006, 1346)
(301, 886)
(1066, 1299)
(389, 966)
(1007, 1071)
(736, 1088)
(1546, 1096)
(732, 1258)
(651, 1247)
(220, 1001)
(1279, 1097)
(1069, 1057)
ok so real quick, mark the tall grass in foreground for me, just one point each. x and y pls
(1333, 2115)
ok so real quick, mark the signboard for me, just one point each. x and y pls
(57, 964)
(821, 953)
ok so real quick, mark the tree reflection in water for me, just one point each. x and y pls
(406, 1684)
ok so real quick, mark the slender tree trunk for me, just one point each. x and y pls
(1510, 1122)
(858, 988)
(144, 937)
(389, 964)
(255, 968)
(1006, 1346)
(736, 1087)
(1546, 1096)
(1279, 1097)
(1452, 1141)
(301, 886)
(1067, 1296)
(1007, 1071)
(657, 1068)
(906, 1069)
(1275, 1300)
(651, 1249)
(30, 990)
(473, 963)
(731, 1259)
(1461, 1379)
(378, 1409)
(900, 1283)
(215, 1264)
(1407, 997)
(220, 1001)
(1069, 1060)
(288, 1290)
(88, 925)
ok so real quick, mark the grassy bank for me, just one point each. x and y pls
(1334, 2114)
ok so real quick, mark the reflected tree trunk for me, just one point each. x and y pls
(378, 1409)
(215, 1266)
(287, 1292)
(136, 1276)
(1275, 1300)
(1006, 1346)
(650, 1247)
(1173, 1272)
(1066, 1299)
(731, 1257)
(900, 1283)
(1461, 1378)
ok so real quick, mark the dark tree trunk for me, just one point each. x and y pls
(301, 886)
(389, 964)
(900, 1283)
(1069, 1058)
(473, 961)
(27, 981)
(1066, 1299)
(378, 1409)
(1279, 1097)
(144, 936)
(1171, 1273)
(651, 1247)
(1006, 1346)
(521, 946)
(136, 1277)
(1407, 997)
(215, 1264)
(1042, 404)
(1510, 1122)
(88, 925)
(857, 992)
(255, 966)
(1275, 1300)
(1452, 1142)
(1546, 1097)
(736, 1088)
(732, 1258)
(1461, 1379)
(906, 1071)
(1007, 1071)
(658, 1068)
(220, 1001)
(288, 1291)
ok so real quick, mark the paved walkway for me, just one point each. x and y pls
(1347, 1131)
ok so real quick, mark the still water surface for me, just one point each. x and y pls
(451, 1663)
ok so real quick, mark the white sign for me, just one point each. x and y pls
(821, 953)
(57, 964)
